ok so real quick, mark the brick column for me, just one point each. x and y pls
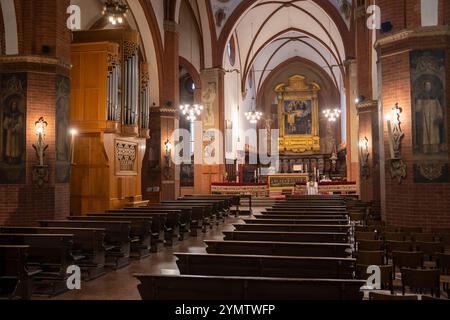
(213, 118)
(409, 58)
(369, 133)
(352, 121)
(37, 82)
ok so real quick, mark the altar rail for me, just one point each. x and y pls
(341, 187)
(254, 189)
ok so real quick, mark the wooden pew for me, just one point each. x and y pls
(246, 288)
(265, 266)
(262, 219)
(286, 236)
(306, 209)
(266, 215)
(49, 255)
(190, 216)
(88, 248)
(304, 249)
(187, 218)
(16, 282)
(169, 218)
(154, 222)
(117, 237)
(202, 215)
(140, 233)
(296, 221)
(293, 227)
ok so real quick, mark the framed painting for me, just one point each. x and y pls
(298, 112)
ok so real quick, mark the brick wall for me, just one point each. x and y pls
(2, 33)
(39, 23)
(409, 203)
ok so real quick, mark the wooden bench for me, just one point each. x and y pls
(265, 215)
(16, 282)
(290, 220)
(49, 254)
(286, 236)
(246, 288)
(140, 233)
(293, 227)
(88, 248)
(170, 220)
(201, 216)
(265, 266)
(117, 237)
(303, 209)
(299, 249)
(189, 217)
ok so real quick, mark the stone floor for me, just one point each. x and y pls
(121, 285)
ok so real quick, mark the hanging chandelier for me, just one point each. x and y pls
(253, 116)
(115, 10)
(191, 112)
(332, 115)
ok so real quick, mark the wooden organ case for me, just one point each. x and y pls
(110, 111)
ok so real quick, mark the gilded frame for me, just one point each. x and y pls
(298, 90)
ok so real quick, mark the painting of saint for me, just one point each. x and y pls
(209, 100)
(298, 117)
(13, 125)
(12, 128)
(62, 130)
(429, 116)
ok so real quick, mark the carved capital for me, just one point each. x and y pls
(170, 26)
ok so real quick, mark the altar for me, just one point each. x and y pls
(281, 183)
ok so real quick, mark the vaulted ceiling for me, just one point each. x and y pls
(269, 33)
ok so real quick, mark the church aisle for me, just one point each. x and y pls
(121, 285)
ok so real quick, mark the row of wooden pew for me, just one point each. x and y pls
(299, 249)
(35, 259)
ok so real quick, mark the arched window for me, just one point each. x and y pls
(231, 51)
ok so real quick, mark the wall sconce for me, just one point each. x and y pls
(73, 134)
(40, 172)
(395, 137)
(168, 158)
(40, 146)
(364, 157)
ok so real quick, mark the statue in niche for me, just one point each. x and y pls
(13, 136)
(209, 98)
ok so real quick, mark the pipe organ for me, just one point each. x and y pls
(110, 110)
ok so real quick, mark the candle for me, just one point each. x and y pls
(73, 133)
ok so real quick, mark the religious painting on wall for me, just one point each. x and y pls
(209, 100)
(12, 128)
(429, 112)
(62, 130)
(298, 117)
